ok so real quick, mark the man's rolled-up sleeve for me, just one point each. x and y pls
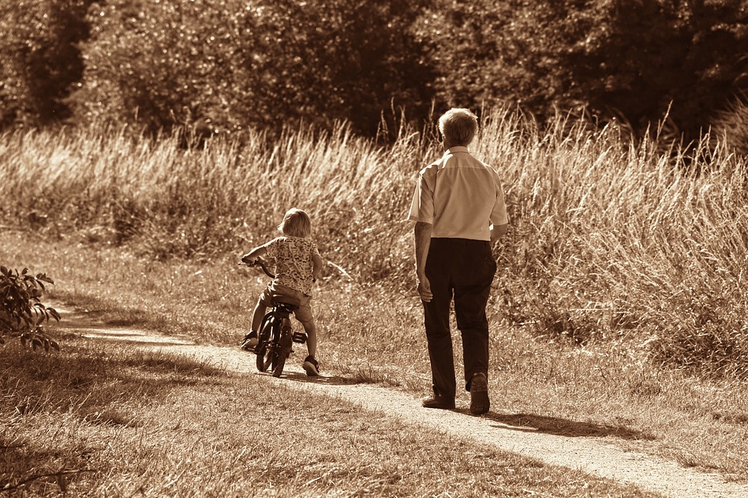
(422, 206)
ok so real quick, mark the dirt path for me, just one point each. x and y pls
(595, 455)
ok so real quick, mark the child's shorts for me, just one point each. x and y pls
(303, 314)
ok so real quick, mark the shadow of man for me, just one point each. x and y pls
(528, 422)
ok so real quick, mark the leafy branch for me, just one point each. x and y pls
(22, 313)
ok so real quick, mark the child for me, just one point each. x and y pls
(297, 265)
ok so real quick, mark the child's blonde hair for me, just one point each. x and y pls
(296, 223)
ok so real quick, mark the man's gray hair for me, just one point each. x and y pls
(458, 126)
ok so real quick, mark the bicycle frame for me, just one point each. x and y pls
(276, 335)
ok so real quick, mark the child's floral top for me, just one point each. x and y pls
(293, 262)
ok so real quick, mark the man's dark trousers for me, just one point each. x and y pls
(461, 269)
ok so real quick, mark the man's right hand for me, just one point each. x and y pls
(424, 289)
(422, 234)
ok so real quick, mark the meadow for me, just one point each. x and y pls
(619, 299)
(611, 239)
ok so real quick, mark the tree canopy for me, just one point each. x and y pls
(224, 66)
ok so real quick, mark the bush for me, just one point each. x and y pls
(41, 61)
(226, 66)
(624, 58)
(22, 313)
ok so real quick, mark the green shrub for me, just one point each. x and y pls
(22, 313)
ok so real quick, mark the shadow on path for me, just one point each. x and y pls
(527, 422)
(331, 380)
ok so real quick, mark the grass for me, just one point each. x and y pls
(619, 301)
(606, 390)
(120, 422)
(608, 237)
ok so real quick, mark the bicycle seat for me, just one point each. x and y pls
(284, 299)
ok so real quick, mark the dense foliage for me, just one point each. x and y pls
(228, 66)
(232, 65)
(618, 58)
(40, 62)
(22, 313)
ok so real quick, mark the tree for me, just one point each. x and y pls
(227, 65)
(504, 53)
(160, 65)
(344, 60)
(623, 58)
(41, 61)
(651, 56)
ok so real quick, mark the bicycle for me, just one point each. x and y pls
(276, 336)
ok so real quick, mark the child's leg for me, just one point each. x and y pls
(310, 365)
(250, 340)
(305, 316)
(258, 315)
(311, 341)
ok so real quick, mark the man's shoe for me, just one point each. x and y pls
(249, 342)
(311, 367)
(479, 402)
(439, 403)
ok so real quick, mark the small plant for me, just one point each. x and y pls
(22, 313)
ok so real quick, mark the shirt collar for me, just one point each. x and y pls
(457, 148)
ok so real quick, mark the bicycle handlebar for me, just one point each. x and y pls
(259, 262)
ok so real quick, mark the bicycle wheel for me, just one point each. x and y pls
(266, 352)
(284, 348)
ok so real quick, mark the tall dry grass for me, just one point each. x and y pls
(615, 240)
(610, 240)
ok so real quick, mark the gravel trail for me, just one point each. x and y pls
(597, 455)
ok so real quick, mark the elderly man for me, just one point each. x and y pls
(459, 209)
